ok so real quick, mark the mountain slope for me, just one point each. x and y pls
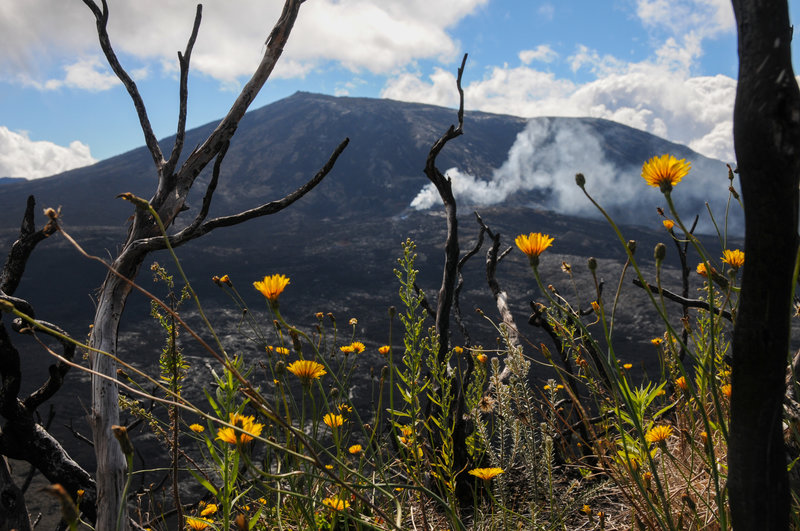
(280, 146)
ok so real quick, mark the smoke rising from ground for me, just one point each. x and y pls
(540, 172)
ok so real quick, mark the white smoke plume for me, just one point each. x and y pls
(540, 171)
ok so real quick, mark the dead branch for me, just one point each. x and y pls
(199, 228)
(460, 284)
(17, 258)
(183, 94)
(688, 303)
(101, 17)
(445, 189)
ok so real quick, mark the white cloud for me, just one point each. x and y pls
(374, 36)
(543, 53)
(546, 11)
(22, 157)
(696, 111)
(706, 17)
(88, 74)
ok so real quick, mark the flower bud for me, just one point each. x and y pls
(121, 434)
(660, 252)
(592, 263)
(580, 180)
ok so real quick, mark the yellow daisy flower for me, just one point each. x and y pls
(485, 473)
(272, 286)
(244, 423)
(658, 434)
(665, 171)
(336, 503)
(734, 258)
(333, 420)
(533, 245)
(307, 370)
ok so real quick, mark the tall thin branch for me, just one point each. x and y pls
(183, 95)
(444, 187)
(150, 139)
(201, 156)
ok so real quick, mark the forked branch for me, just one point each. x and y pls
(101, 16)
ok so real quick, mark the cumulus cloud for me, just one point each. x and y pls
(696, 111)
(87, 74)
(378, 37)
(22, 157)
(662, 94)
(543, 53)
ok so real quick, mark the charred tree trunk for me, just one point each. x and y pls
(767, 140)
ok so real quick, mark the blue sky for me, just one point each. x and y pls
(665, 66)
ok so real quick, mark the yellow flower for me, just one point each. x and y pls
(486, 473)
(701, 269)
(682, 384)
(726, 390)
(344, 408)
(704, 437)
(458, 350)
(211, 508)
(81, 492)
(658, 434)
(197, 428)
(734, 258)
(244, 423)
(336, 503)
(668, 224)
(197, 524)
(586, 510)
(384, 349)
(357, 346)
(533, 245)
(281, 350)
(596, 307)
(665, 171)
(482, 358)
(225, 279)
(272, 286)
(355, 449)
(332, 420)
(353, 321)
(628, 366)
(307, 370)
(656, 341)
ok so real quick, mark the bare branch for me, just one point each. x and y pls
(183, 61)
(212, 186)
(130, 85)
(192, 232)
(687, 303)
(443, 186)
(57, 370)
(201, 156)
(460, 285)
(21, 250)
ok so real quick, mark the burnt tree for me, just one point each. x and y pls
(174, 182)
(766, 139)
